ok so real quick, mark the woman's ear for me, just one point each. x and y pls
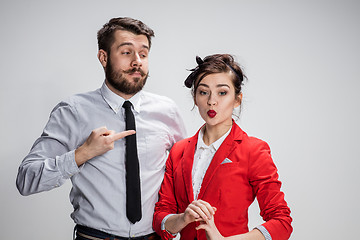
(102, 56)
(238, 100)
(195, 99)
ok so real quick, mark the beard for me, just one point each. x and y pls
(121, 83)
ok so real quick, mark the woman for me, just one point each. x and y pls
(213, 177)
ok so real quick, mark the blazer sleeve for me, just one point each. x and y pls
(266, 186)
(167, 202)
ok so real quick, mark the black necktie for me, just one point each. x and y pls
(133, 195)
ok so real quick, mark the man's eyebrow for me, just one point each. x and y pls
(131, 44)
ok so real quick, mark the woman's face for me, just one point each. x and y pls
(216, 100)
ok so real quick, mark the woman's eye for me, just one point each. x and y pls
(222, 93)
(203, 93)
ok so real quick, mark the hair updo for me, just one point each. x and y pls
(217, 63)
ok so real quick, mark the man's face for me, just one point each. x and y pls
(126, 69)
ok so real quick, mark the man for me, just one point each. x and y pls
(97, 164)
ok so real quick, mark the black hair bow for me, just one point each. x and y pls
(191, 78)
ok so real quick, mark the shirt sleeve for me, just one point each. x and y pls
(51, 159)
(167, 233)
(177, 125)
(266, 185)
(264, 232)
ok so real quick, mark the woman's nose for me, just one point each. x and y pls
(211, 100)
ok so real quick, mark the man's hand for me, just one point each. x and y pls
(99, 142)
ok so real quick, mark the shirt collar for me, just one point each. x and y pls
(215, 145)
(116, 102)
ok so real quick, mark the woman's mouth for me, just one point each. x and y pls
(211, 113)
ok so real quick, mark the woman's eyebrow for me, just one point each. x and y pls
(223, 85)
(219, 85)
(204, 85)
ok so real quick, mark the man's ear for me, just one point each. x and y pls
(102, 56)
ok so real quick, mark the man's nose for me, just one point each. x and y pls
(136, 61)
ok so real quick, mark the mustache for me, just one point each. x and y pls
(135, 70)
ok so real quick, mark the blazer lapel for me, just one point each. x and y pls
(222, 153)
(187, 165)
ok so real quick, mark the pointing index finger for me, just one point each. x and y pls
(123, 134)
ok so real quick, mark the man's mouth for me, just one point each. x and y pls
(135, 72)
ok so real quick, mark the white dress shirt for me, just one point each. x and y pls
(98, 192)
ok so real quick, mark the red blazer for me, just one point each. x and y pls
(230, 186)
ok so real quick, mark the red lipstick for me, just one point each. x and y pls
(211, 113)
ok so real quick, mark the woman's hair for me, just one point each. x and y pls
(217, 63)
(105, 35)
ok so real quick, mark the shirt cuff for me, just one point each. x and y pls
(264, 231)
(163, 226)
(67, 165)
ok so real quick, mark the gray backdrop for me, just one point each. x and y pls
(301, 58)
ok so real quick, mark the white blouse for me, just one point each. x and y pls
(202, 159)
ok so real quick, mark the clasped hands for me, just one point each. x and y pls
(202, 212)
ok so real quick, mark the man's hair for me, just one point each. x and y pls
(106, 37)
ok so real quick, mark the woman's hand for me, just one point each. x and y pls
(198, 210)
(212, 233)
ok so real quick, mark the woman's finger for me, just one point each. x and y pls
(208, 206)
(201, 210)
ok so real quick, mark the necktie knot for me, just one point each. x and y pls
(127, 104)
